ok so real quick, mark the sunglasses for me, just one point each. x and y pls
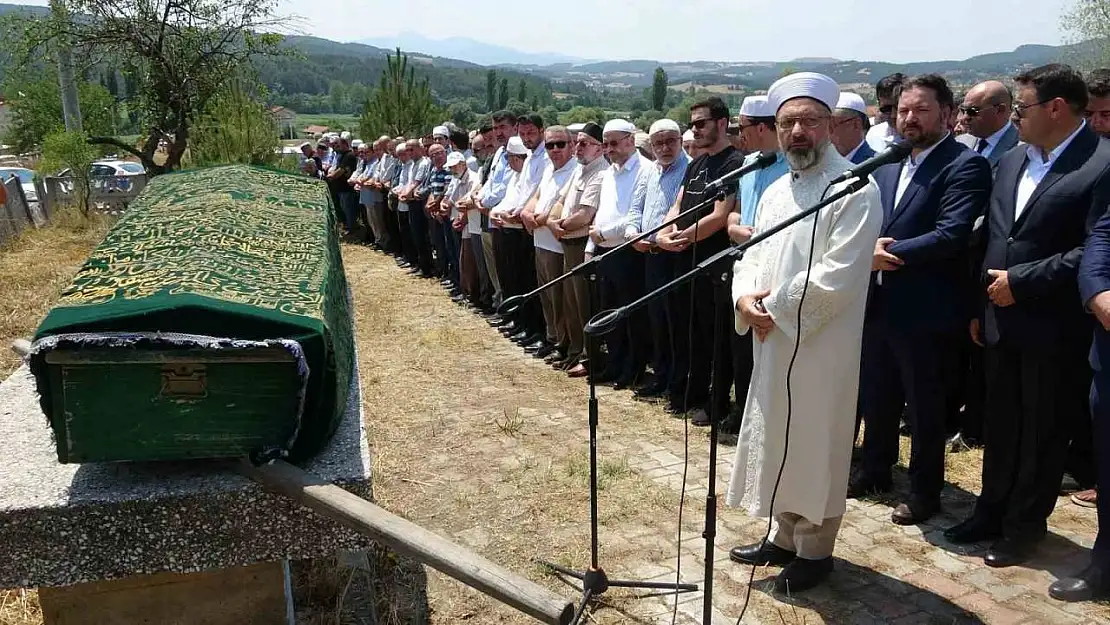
(698, 124)
(555, 145)
(886, 110)
(970, 111)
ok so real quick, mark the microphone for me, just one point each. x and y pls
(896, 152)
(765, 159)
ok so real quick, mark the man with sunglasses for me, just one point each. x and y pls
(883, 132)
(985, 114)
(1046, 197)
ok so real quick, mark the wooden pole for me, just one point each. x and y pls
(411, 540)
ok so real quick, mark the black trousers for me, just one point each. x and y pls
(437, 235)
(418, 229)
(692, 340)
(902, 368)
(658, 270)
(1100, 420)
(393, 226)
(520, 276)
(405, 237)
(743, 361)
(622, 281)
(1036, 398)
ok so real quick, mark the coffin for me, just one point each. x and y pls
(213, 321)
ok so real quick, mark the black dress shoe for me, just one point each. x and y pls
(530, 339)
(761, 553)
(863, 485)
(534, 347)
(627, 381)
(544, 351)
(801, 575)
(971, 531)
(913, 512)
(606, 377)
(1092, 583)
(651, 391)
(555, 356)
(519, 336)
(1009, 552)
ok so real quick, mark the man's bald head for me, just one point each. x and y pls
(986, 108)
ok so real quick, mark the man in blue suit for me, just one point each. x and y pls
(850, 126)
(985, 112)
(1094, 291)
(1047, 196)
(916, 311)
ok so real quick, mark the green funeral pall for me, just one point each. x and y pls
(213, 321)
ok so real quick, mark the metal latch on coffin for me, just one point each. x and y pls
(184, 381)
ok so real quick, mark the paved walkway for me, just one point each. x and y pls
(486, 436)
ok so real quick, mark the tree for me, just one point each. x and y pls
(659, 89)
(400, 105)
(36, 111)
(522, 91)
(180, 52)
(235, 128)
(1089, 21)
(462, 114)
(72, 151)
(647, 119)
(503, 94)
(491, 91)
(535, 103)
(583, 114)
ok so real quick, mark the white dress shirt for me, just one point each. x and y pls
(1036, 166)
(910, 167)
(620, 187)
(512, 191)
(530, 177)
(551, 188)
(992, 141)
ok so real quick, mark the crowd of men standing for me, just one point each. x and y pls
(980, 311)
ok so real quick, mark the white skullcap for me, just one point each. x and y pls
(441, 131)
(804, 85)
(304, 145)
(574, 129)
(455, 158)
(664, 125)
(619, 125)
(852, 101)
(756, 106)
(688, 136)
(357, 143)
(345, 135)
(516, 146)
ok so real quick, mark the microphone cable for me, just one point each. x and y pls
(789, 404)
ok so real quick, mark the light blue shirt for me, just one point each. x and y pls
(753, 185)
(662, 190)
(493, 191)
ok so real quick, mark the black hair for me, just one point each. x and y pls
(888, 86)
(935, 83)
(1056, 80)
(503, 115)
(1098, 83)
(531, 118)
(460, 139)
(717, 107)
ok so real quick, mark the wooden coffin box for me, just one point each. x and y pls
(212, 322)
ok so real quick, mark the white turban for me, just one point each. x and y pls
(852, 101)
(756, 106)
(804, 85)
(664, 125)
(619, 125)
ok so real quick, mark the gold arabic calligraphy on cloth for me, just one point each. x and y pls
(237, 234)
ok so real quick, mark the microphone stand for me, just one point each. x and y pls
(606, 321)
(594, 580)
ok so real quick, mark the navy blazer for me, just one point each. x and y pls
(862, 154)
(1042, 249)
(1094, 278)
(931, 226)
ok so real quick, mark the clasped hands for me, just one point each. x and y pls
(755, 315)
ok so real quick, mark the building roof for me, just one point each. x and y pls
(315, 130)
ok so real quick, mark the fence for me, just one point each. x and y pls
(17, 213)
(109, 194)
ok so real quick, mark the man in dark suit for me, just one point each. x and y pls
(1046, 198)
(985, 112)
(850, 126)
(915, 315)
(1094, 291)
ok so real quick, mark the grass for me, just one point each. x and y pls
(350, 122)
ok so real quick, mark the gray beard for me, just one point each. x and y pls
(800, 160)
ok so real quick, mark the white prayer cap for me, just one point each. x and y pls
(574, 129)
(304, 145)
(441, 131)
(516, 146)
(852, 101)
(345, 135)
(455, 158)
(688, 136)
(619, 125)
(756, 106)
(664, 125)
(357, 143)
(804, 85)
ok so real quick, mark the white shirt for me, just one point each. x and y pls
(530, 177)
(910, 167)
(512, 190)
(993, 140)
(551, 188)
(881, 136)
(1035, 169)
(620, 187)
(406, 177)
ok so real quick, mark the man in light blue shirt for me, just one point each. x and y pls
(664, 181)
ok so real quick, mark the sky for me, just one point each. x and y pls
(687, 30)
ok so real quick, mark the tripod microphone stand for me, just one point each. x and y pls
(606, 322)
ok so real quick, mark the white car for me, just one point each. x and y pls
(122, 170)
(26, 180)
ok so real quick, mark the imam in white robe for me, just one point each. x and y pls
(825, 379)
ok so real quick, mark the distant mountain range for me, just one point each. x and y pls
(469, 50)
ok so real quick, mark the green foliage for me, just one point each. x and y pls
(70, 150)
(491, 91)
(583, 114)
(462, 114)
(1089, 20)
(400, 105)
(36, 111)
(659, 89)
(648, 118)
(522, 91)
(235, 128)
(503, 94)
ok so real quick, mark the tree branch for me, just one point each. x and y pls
(148, 163)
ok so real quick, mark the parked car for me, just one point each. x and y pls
(100, 170)
(26, 180)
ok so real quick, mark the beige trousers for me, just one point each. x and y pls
(811, 542)
(549, 265)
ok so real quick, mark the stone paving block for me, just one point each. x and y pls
(947, 562)
(988, 582)
(983, 605)
(938, 583)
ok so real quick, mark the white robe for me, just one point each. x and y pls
(825, 380)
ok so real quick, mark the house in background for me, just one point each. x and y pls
(286, 120)
(314, 132)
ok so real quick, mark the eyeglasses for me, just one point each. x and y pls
(555, 145)
(1019, 109)
(698, 124)
(886, 110)
(787, 123)
(970, 111)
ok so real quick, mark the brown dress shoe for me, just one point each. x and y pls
(578, 371)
